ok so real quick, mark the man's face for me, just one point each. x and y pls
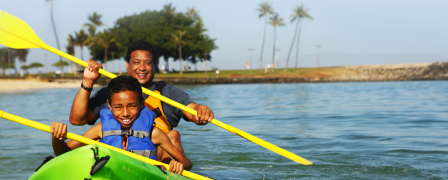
(125, 107)
(140, 66)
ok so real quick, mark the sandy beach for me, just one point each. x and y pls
(13, 86)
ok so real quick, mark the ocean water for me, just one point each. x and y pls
(356, 130)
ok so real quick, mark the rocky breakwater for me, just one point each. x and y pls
(395, 72)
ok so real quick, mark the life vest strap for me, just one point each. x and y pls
(128, 132)
(145, 153)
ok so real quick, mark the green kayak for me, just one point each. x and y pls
(96, 162)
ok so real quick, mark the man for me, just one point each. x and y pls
(140, 65)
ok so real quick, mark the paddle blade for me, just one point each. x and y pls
(17, 34)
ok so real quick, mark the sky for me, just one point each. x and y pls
(349, 32)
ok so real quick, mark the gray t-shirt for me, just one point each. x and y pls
(173, 114)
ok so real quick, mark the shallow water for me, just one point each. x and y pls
(361, 130)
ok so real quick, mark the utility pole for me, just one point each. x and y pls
(113, 61)
(318, 46)
(250, 50)
(276, 57)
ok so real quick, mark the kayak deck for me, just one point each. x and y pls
(77, 164)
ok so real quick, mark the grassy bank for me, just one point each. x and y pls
(292, 72)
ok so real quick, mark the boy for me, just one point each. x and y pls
(126, 113)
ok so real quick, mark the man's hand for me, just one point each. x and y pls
(176, 167)
(58, 130)
(91, 74)
(204, 116)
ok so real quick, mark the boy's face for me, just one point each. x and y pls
(125, 107)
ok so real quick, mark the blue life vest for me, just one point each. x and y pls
(138, 135)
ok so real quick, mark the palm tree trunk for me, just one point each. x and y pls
(292, 45)
(57, 40)
(180, 58)
(273, 52)
(105, 58)
(262, 44)
(298, 39)
(94, 48)
(187, 69)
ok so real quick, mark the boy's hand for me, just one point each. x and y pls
(58, 130)
(176, 167)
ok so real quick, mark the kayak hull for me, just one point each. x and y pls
(77, 164)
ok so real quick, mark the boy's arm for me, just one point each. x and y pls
(58, 131)
(160, 137)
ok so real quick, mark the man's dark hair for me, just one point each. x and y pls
(139, 45)
(124, 83)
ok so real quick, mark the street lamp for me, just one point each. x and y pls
(250, 50)
(276, 57)
(318, 46)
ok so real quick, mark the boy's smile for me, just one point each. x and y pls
(125, 107)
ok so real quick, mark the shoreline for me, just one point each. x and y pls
(369, 73)
(12, 86)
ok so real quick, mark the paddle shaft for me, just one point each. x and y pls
(85, 140)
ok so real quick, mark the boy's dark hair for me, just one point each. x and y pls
(124, 83)
(139, 45)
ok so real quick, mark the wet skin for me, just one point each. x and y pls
(141, 67)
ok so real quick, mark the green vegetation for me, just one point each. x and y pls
(8, 58)
(60, 63)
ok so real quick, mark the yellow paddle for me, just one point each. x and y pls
(85, 140)
(15, 33)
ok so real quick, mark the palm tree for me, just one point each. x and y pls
(275, 21)
(169, 9)
(81, 40)
(265, 9)
(55, 34)
(19, 54)
(179, 39)
(192, 13)
(71, 49)
(95, 21)
(298, 14)
(106, 39)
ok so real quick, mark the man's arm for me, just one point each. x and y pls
(159, 137)
(58, 131)
(80, 113)
(205, 114)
